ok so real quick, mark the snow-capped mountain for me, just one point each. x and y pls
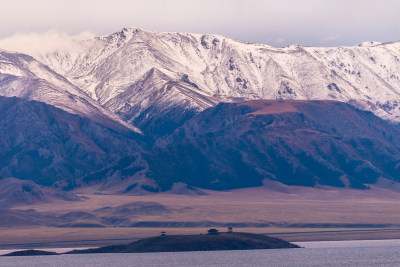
(169, 85)
(133, 71)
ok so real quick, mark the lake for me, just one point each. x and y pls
(329, 253)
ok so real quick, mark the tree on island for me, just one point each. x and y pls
(212, 231)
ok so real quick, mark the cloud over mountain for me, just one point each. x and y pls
(36, 43)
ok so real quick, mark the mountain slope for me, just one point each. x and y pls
(47, 145)
(305, 143)
(23, 76)
(159, 104)
(16, 192)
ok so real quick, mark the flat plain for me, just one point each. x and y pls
(291, 213)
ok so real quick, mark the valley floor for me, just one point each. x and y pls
(290, 213)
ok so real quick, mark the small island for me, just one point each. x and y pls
(213, 240)
(207, 242)
(31, 252)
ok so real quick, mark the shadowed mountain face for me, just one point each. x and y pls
(306, 143)
(45, 144)
(294, 142)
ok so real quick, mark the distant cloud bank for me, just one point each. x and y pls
(273, 22)
(39, 43)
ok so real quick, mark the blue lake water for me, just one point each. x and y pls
(332, 253)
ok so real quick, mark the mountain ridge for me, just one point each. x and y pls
(226, 69)
(205, 69)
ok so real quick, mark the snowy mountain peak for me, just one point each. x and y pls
(369, 44)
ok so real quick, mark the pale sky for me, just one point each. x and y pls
(279, 23)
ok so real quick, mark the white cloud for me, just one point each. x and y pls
(332, 37)
(280, 41)
(297, 21)
(42, 43)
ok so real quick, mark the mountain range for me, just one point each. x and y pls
(141, 111)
